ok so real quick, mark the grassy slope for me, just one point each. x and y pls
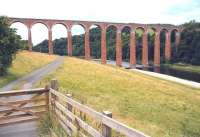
(185, 67)
(24, 63)
(157, 107)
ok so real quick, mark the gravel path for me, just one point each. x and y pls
(27, 129)
(34, 76)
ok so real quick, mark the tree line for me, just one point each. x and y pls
(187, 52)
(189, 49)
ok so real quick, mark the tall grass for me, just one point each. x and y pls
(47, 123)
(24, 63)
(156, 107)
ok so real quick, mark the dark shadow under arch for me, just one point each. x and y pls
(125, 36)
(78, 40)
(95, 41)
(42, 46)
(163, 33)
(151, 45)
(139, 34)
(173, 43)
(59, 43)
(111, 42)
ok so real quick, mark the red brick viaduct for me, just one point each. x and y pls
(49, 23)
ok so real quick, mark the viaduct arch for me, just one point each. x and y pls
(49, 23)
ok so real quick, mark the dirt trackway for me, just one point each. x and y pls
(27, 129)
(34, 76)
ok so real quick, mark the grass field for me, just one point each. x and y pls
(24, 63)
(185, 67)
(157, 107)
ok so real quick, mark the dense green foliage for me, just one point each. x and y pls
(10, 42)
(60, 45)
(187, 52)
(189, 49)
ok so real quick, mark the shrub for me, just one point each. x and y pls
(9, 44)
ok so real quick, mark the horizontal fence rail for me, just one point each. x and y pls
(20, 106)
(76, 119)
(63, 112)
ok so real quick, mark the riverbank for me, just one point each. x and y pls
(184, 67)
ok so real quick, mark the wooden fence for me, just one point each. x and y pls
(22, 105)
(75, 118)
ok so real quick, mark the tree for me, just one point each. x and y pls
(187, 52)
(10, 42)
(189, 48)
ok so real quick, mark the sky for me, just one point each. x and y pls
(135, 11)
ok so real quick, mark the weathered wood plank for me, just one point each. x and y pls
(80, 122)
(17, 121)
(14, 111)
(22, 92)
(54, 84)
(38, 113)
(120, 127)
(69, 106)
(47, 100)
(25, 101)
(66, 129)
(106, 131)
(41, 106)
(17, 108)
(69, 124)
(66, 121)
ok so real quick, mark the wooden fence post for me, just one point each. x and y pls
(106, 131)
(69, 106)
(54, 84)
(48, 96)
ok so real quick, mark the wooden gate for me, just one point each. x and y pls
(22, 105)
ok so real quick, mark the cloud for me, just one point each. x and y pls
(142, 11)
(137, 11)
(185, 11)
